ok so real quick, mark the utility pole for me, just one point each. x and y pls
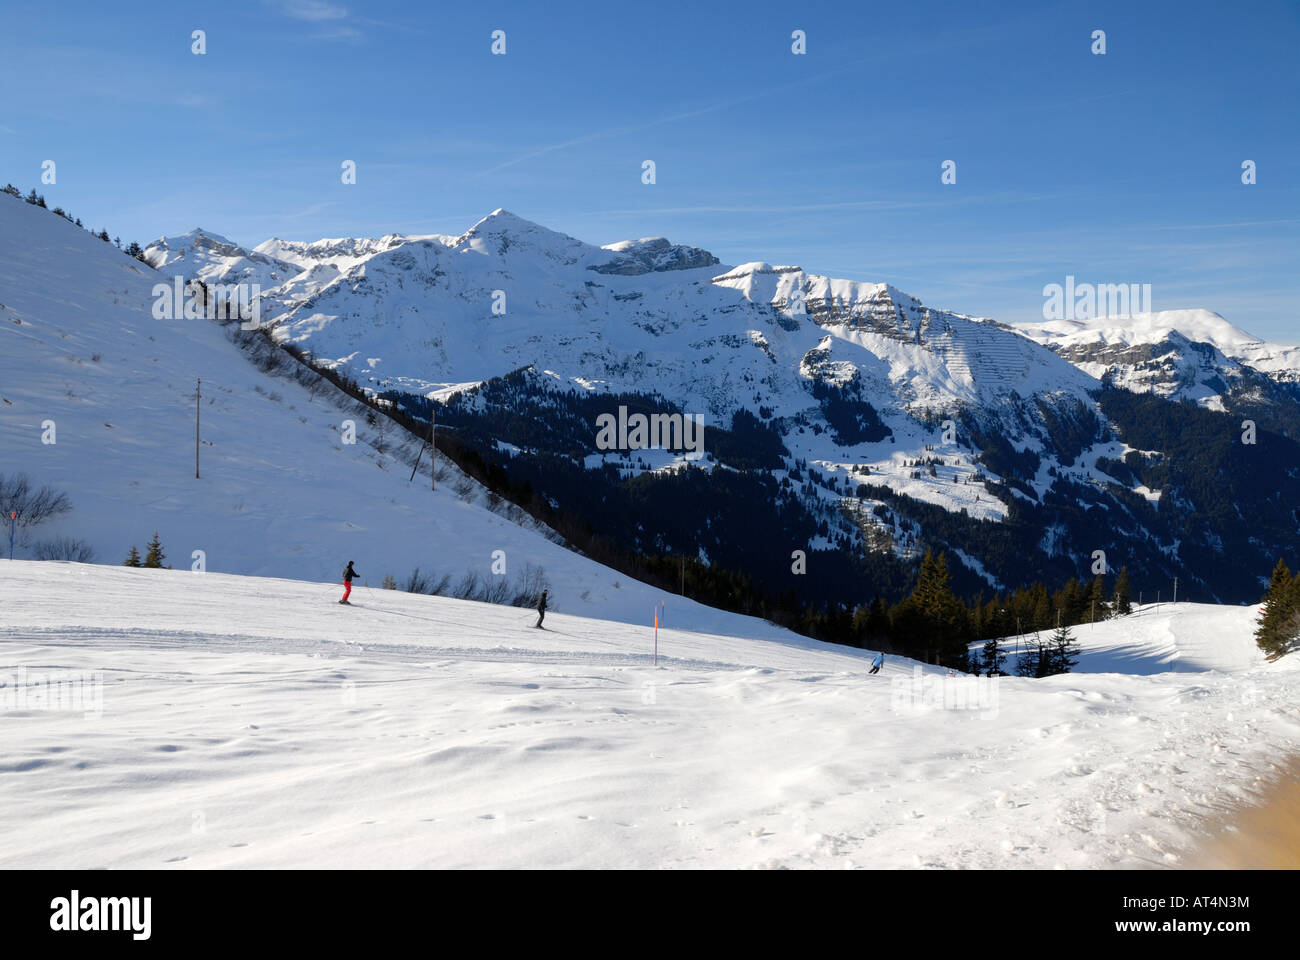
(198, 396)
(433, 451)
(683, 566)
(1175, 589)
(13, 520)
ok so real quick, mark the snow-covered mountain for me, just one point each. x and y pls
(430, 314)
(1181, 354)
(424, 312)
(882, 407)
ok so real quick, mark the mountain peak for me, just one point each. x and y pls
(502, 219)
(196, 237)
(652, 255)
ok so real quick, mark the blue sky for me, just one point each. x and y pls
(1122, 168)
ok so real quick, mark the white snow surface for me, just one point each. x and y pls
(246, 722)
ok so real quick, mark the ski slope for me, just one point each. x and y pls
(251, 722)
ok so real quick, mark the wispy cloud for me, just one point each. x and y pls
(333, 20)
(337, 33)
(614, 132)
(309, 211)
(314, 11)
(671, 118)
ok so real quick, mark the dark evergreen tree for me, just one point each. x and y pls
(1096, 605)
(1121, 600)
(943, 615)
(1279, 621)
(1061, 654)
(155, 556)
(993, 658)
(1032, 659)
(1041, 611)
(132, 558)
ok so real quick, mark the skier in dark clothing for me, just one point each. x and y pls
(348, 574)
(877, 663)
(541, 610)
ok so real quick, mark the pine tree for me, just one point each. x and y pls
(943, 615)
(1042, 609)
(1072, 602)
(994, 658)
(132, 558)
(1121, 600)
(1062, 653)
(1030, 662)
(155, 557)
(1278, 626)
(1096, 607)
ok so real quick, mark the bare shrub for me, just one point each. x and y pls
(469, 587)
(32, 507)
(64, 548)
(495, 590)
(417, 582)
(529, 587)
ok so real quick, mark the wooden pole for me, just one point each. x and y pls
(433, 451)
(198, 397)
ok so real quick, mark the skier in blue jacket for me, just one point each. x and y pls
(877, 663)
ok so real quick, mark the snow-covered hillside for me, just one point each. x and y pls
(84, 363)
(246, 722)
(1161, 638)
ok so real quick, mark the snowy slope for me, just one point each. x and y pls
(1162, 638)
(252, 723)
(280, 493)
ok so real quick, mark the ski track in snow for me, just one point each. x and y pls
(254, 723)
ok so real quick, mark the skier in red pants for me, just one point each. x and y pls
(348, 574)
